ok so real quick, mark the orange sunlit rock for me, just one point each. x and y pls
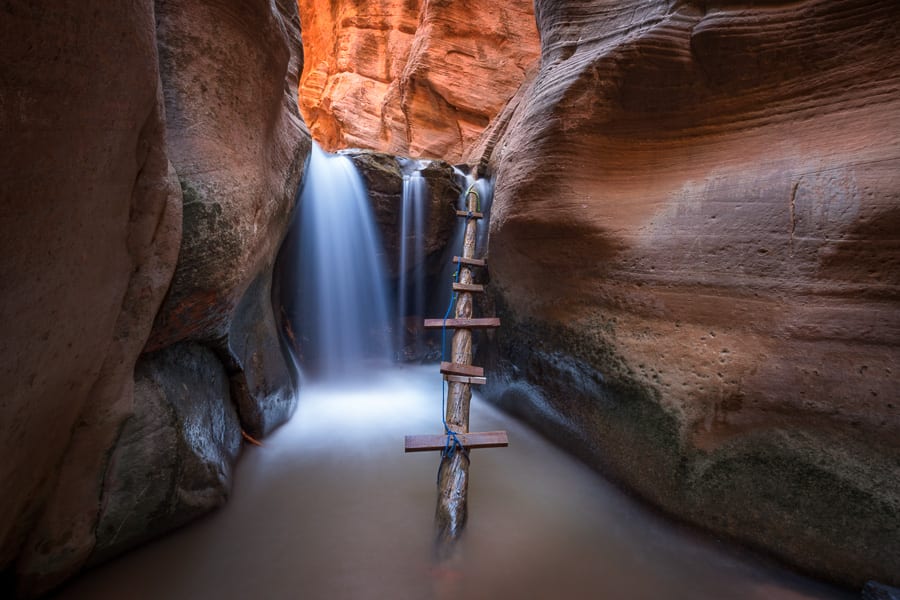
(411, 78)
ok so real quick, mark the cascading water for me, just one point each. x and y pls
(332, 508)
(411, 283)
(342, 275)
(485, 191)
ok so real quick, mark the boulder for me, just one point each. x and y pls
(173, 459)
(693, 251)
(873, 590)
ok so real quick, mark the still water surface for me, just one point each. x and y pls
(331, 508)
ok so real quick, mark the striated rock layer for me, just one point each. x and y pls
(694, 250)
(415, 78)
(117, 121)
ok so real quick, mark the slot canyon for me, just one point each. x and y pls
(225, 224)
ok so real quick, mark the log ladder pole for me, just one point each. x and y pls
(455, 443)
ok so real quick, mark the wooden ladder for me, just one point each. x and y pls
(460, 374)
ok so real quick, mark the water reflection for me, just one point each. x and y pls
(332, 508)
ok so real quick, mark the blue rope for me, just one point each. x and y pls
(453, 441)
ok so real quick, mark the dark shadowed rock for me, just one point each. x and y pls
(878, 591)
(173, 460)
(383, 176)
(90, 217)
(92, 225)
(263, 374)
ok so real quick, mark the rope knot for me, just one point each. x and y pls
(453, 444)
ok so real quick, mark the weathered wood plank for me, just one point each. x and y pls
(484, 323)
(428, 443)
(468, 287)
(465, 379)
(477, 262)
(449, 368)
(475, 215)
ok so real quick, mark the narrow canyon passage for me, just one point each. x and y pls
(689, 249)
(331, 507)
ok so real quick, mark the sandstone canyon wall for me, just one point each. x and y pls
(136, 345)
(418, 78)
(694, 250)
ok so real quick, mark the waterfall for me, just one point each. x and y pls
(411, 294)
(342, 275)
(485, 190)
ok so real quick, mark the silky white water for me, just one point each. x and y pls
(331, 508)
(411, 280)
(342, 277)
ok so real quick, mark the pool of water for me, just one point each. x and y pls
(331, 507)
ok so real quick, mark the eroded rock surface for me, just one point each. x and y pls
(693, 248)
(412, 78)
(106, 139)
(90, 227)
(239, 147)
(174, 457)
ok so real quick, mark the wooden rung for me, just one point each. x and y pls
(468, 287)
(475, 215)
(477, 262)
(463, 323)
(469, 380)
(448, 368)
(486, 439)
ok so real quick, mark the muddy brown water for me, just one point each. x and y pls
(332, 508)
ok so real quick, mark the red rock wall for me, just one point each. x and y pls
(90, 224)
(700, 203)
(418, 78)
(101, 135)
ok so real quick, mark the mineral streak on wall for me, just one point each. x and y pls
(411, 77)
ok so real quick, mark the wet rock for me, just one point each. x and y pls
(877, 591)
(174, 457)
(383, 176)
(696, 211)
(263, 373)
(414, 78)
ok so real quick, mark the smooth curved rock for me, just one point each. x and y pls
(90, 228)
(215, 128)
(697, 205)
(174, 457)
(416, 78)
(238, 147)
(264, 378)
